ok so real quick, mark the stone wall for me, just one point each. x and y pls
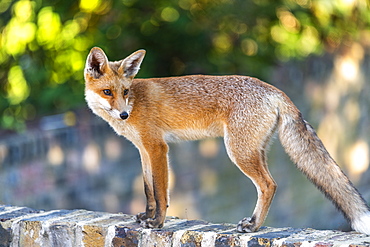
(21, 226)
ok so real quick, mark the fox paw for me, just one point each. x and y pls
(246, 225)
(151, 223)
(140, 217)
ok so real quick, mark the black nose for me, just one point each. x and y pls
(123, 115)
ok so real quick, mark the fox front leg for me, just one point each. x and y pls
(150, 203)
(148, 188)
(155, 170)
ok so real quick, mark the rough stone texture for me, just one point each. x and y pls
(20, 226)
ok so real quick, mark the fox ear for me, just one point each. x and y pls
(131, 64)
(96, 63)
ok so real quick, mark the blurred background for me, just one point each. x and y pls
(55, 154)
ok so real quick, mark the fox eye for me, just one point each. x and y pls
(107, 92)
(125, 92)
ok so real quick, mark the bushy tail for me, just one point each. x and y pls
(309, 154)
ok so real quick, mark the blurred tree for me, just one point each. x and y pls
(43, 44)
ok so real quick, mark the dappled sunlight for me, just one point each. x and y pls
(20, 30)
(330, 132)
(112, 148)
(352, 112)
(3, 153)
(309, 42)
(49, 27)
(69, 118)
(55, 155)
(358, 159)
(346, 6)
(249, 47)
(288, 20)
(18, 89)
(343, 112)
(348, 68)
(170, 14)
(91, 158)
(209, 181)
(222, 42)
(49, 42)
(89, 5)
(303, 39)
(19, 34)
(209, 148)
(95, 6)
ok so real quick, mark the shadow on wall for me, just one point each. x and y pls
(75, 160)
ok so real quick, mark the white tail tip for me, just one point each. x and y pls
(362, 224)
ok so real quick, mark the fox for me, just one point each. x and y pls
(244, 110)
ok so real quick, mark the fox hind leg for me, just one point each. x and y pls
(252, 162)
(266, 188)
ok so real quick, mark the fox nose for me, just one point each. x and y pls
(123, 115)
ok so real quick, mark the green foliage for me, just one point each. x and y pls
(43, 44)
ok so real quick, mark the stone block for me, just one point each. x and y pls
(21, 226)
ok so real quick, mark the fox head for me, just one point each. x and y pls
(107, 84)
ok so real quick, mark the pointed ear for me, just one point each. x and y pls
(131, 64)
(96, 63)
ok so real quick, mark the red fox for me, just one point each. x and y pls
(243, 110)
